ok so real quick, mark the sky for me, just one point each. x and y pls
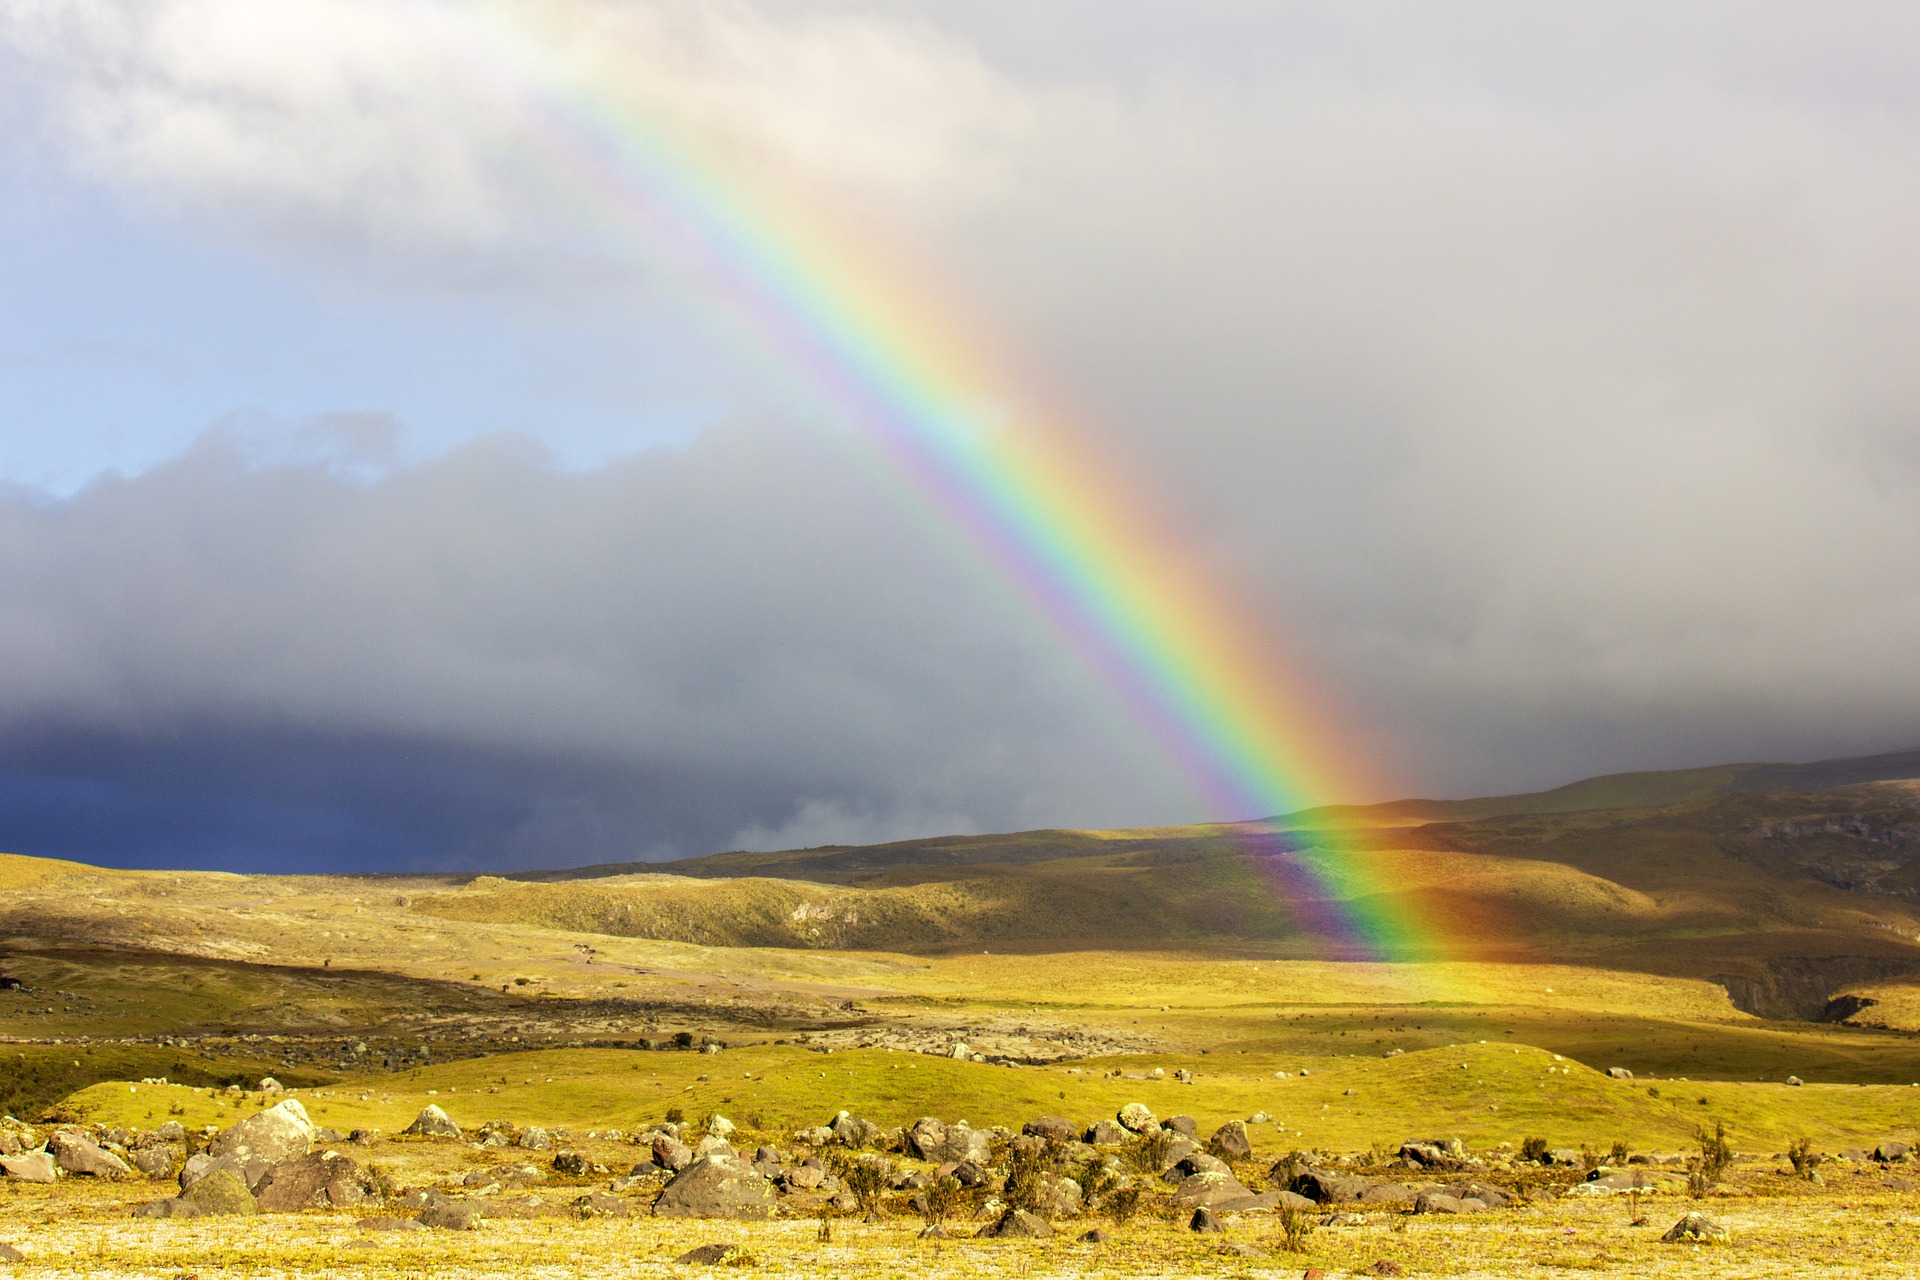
(1538, 379)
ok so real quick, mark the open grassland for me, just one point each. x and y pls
(1852, 1229)
(1484, 1094)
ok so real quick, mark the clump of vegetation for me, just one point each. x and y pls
(866, 1181)
(1619, 1152)
(1295, 1226)
(1716, 1157)
(1535, 1150)
(1098, 1178)
(1804, 1159)
(940, 1199)
(1122, 1203)
(1147, 1154)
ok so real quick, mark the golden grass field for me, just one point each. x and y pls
(1569, 939)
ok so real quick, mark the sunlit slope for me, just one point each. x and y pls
(1483, 1094)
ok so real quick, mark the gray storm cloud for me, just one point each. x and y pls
(1545, 377)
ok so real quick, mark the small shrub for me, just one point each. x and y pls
(1618, 1153)
(1148, 1153)
(1716, 1157)
(1534, 1149)
(940, 1199)
(676, 1116)
(1122, 1203)
(1295, 1226)
(1097, 1179)
(1653, 1091)
(1804, 1158)
(1591, 1159)
(866, 1181)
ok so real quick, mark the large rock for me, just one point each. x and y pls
(250, 1169)
(940, 1143)
(1197, 1162)
(153, 1161)
(671, 1153)
(79, 1155)
(221, 1192)
(320, 1180)
(1185, 1126)
(1056, 1127)
(1219, 1191)
(1387, 1193)
(30, 1166)
(174, 1208)
(851, 1131)
(281, 1132)
(1136, 1117)
(710, 1188)
(1105, 1133)
(1056, 1197)
(1888, 1152)
(1695, 1226)
(1017, 1224)
(1322, 1187)
(450, 1215)
(1230, 1141)
(432, 1122)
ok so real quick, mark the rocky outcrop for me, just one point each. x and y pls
(281, 1132)
(715, 1187)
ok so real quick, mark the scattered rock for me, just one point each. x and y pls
(153, 1161)
(281, 1132)
(1795, 1081)
(1055, 1127)
(1095, 1236)
(1888, 1152)
(1137, 1118)
(1384, 1267)
(705, 1255)
(432, 1122)
(602, 1204)
(221, 1192)
(250, 1169)
(30, 1166)
(1205, 1221)
(389, 1224)
(713, 1187)
(1695, 1226)
(1387, 1193)
(1017, 1224)
(1322, 1187)
(851, 1131)
(449, 1215)
(1440, 1202)
(534, 1138)
(934, 1231)
(322, 1180)
(1230, 1141)
(938, 1143)
(174, 1208)
(1185, 1126)
(1105, 1133)
(78, 1155)
(1619, 1073)
(10, 1254)
(269, 1085)
(1346, 1220)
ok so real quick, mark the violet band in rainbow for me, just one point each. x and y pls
(1048, 512)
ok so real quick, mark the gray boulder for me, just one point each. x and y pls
(1136, 1117)
(1695, 1226)
(1185, 1126)
(250, 1169)
(432, 1122)
(281, 1132)
(174, 1208)
(79, 1155)
(1017, 1224)
(716, 1188)
(450, 1215)
(153, 1161)
(1888, 1152)
(939, 1143)
(1205, 1221)
(221, 1192)
(1322, 1187)
(534, 1138)
(1230, 1141)
(320, 1180)
(1208, 1188)
(1055, 1127)
(1105, 1133)
(671, 1153)
(30, 1166)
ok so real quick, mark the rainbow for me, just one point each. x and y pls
(1047, 512)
